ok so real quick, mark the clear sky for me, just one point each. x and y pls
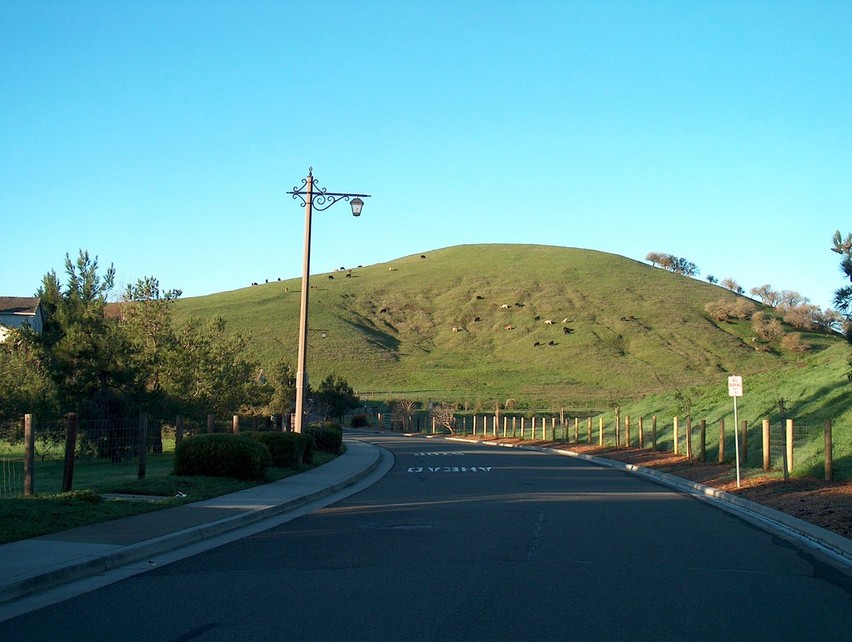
(163, 136)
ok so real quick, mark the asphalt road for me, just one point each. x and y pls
(461, 541)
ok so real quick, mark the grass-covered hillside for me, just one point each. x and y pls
(435, 326)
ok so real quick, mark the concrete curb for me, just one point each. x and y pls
(124, 555)
(816, 536)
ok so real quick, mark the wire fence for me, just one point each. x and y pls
(712, 441)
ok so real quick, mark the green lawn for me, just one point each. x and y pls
(50, 511)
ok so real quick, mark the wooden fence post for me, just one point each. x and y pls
(675, 435)
(627, 431)
(590, 430)
(702, 453)
(654, 432)
(767, 460)
(829, 462)
(576, 431)
(689, 438)
(641, 434)
(143, 445)
(29, 455)
(789, 445)
(617, 429)
(721, 441)
(235, 425)
(70, 447)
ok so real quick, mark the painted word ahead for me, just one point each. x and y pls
(449, 469)
(446, 469)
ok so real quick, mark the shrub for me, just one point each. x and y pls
(287, 448)
(222, 455)
(327, 437)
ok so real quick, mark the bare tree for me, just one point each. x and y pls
(445, 415)
(732, 285)
(403, 412)
(766, 294)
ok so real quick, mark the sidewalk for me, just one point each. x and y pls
(44, 562)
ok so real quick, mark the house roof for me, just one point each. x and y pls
(18, 304)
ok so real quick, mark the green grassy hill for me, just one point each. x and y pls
(637, 330)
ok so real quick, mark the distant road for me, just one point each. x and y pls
(467, 542)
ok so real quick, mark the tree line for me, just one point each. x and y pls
(105, 361)
(796, 309)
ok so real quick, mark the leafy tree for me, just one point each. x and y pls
(146, 315)
(843, 296)
(673, 263)
(82, 351)
(680, 265)
(208, 371)
(24, 387)
(334, 397)
(712, 279)
(283, 399)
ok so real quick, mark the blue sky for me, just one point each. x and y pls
(163, 136)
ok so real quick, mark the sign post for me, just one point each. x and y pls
(735, 389)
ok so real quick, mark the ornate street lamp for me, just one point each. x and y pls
(320, 200)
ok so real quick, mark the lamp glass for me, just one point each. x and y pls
(357, 204)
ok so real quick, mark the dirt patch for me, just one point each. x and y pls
(825, 504)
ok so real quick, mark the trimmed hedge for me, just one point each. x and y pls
(222, 455)
(327, 437)
(287, 448)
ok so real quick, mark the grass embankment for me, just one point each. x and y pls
(22, 518)
(636, 330)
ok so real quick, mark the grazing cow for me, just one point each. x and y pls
(629, 317)
(477, 319)
(422, 256)
(551, 343)
(254, 283)
(536, 344)
(331, 277)
(383, 310)
(567, 330)
(455, 329)
(536, 318)
(509, 327)
(349, 274)
(480, 298)
(391, 269)
(565, 320)
(505, 306)
(548, 322)
(519, 305)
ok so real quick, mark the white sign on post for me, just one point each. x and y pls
(735, 386)
(735, 389)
